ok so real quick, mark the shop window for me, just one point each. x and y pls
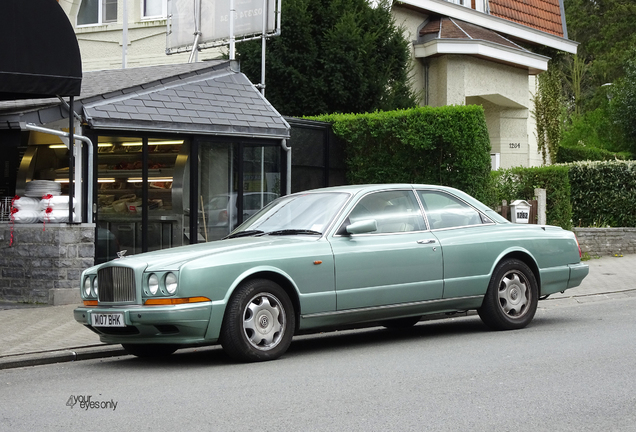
(139, 209)
(233, 188)
(97, 12)
(154, 8)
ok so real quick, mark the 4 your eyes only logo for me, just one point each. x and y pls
(87, 402)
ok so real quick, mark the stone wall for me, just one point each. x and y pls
(44, 263)
(606, 241)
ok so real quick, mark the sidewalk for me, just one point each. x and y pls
(35, 335)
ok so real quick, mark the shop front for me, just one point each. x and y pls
(157, 193)
(164, 156)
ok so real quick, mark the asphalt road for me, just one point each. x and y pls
(572, 369)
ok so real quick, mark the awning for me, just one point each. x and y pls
(40, 55)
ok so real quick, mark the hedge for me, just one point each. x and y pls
(580, 153)
(520, 183)
(431, 145)
(603, 193)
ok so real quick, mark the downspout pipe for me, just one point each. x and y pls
(288, 150)
(35, 128)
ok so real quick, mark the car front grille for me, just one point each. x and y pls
(116, 284)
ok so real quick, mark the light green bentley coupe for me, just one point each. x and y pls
(327, 258)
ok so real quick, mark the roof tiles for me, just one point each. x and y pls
(449, 28)
(223, 102)
(544, 15)
(200, 98)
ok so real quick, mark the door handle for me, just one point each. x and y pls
(428, 241)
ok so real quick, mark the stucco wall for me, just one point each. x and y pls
(101, 45)
(410, 21)
(504, 93)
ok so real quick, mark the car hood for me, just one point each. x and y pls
(174, 258)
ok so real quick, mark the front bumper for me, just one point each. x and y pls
(185, 324)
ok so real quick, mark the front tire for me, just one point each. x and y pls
(259, 322)
(511, 300)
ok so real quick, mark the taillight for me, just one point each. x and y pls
(223, 216)
(579, 245)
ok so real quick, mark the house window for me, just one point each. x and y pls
(154, 8)
(478, 5)
(97, 12)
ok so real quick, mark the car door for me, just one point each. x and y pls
(399, 262)
(468, 240)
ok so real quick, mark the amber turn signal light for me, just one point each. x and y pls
(175, 301)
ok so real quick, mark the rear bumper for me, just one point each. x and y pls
(176, 324)
(577, 274)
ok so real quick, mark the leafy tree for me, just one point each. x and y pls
(548, 112)
(333, 56)
(623, 102)
(606, 30)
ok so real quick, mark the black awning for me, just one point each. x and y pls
(40, 55)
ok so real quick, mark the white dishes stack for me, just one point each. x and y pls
(40, 188)
(54, 209)
(43, 202)
(26, 210)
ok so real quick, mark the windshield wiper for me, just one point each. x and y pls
(294, 232)
(243, 234)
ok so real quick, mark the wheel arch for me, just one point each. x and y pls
(524, 257)
(285, 283)
(274, 275)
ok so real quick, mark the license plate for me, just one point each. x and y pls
(108, 320)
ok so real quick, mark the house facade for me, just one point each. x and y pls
(480, 52)
(99, 26)
(464, 52)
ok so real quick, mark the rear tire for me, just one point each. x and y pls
(259, 322)
(511, 300)
(150, 350)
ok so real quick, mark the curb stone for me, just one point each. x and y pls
(61, 356)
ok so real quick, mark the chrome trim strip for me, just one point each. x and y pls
(384, 307)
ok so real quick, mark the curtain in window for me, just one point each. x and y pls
(88, 12)
(153, 8)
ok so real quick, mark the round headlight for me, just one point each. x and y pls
(95, 287)
(153, 284)
(87, 286)
(171, 283)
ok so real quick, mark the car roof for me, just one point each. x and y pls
(355, 189)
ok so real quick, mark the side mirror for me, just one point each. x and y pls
(362, 227)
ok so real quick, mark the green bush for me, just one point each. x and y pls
(520, 183)
(581, 153)
(604, 193)
(594, 129)
(447, 146)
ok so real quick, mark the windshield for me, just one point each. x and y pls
(302, 212)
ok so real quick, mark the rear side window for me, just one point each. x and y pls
(446, 211)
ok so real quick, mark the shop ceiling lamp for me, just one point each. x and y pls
(101, 180)
(165, 142)
(138, 143)
(150, 180)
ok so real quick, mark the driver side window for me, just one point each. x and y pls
(394, 211)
